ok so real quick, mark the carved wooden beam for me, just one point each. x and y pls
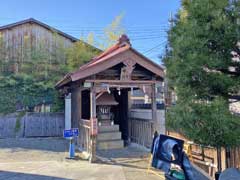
(126, 71)
(122, 82)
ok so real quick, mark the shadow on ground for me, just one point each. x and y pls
(7, 175)
(136, 159)
(133, 160)
(42, 144)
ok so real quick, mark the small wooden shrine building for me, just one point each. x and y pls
(96, 95)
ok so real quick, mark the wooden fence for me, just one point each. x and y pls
(141, 126)
(141, 131)
(32, 125)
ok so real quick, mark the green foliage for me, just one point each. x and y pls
(18, 119)
(29, 79)
(79, 54)
(206, 123)
(201, 70)
(112, 32)
(7, 100)
(17, 125)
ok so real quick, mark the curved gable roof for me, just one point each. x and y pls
(109, 58)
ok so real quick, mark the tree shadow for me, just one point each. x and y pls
(134, 158)
(7, 175)
(42, 144)
(127, 152)
(130, 157)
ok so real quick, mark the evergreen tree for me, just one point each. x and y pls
(202, 70)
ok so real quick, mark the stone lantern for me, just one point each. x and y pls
(104, 104)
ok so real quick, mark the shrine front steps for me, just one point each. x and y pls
(109, 137)
(109, 128)
(111, 144)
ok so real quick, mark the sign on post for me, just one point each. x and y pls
(68, 133)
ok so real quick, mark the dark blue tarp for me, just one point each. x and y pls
(168, 150)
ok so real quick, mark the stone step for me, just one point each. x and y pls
(112, 128)
(115, 135)
(105, 122)
(113, 144)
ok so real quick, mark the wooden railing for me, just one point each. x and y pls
(141, 131)
(84, 135)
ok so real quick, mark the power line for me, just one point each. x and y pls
(142, 31)
(151, 49)
(76, 26)
(103, 27)
(128, 32)
(147, 38)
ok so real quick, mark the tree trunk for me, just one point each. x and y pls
(219, 159)
(219, 163)
(228, 157)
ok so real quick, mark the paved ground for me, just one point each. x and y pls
(44, 159)
(134, 161)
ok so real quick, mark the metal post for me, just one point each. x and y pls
(71, 149)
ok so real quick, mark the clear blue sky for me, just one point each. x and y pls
(145, 21)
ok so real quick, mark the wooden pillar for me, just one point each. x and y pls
(76, 106)
(129, 116)
(79, 99)
(154, 110)
(93, 137)
(79, 104)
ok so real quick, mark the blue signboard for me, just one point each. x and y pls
(67, 133)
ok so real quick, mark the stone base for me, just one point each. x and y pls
(105, 122)
(109, 137)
